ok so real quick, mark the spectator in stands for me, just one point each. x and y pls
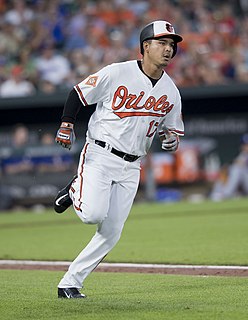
(240, 58)
(76, 33)
(9, 40)
(18, 162)
(3, 71)
(214, 49)
(52, 67)
(47, 87)
(49, 158)
(244, 6)
(26, 61)
(20, 14)
(16, 85)
(47, 139)
(117, 51)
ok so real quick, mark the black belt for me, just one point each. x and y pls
(125, 156)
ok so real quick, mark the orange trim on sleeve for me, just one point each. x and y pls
(180, 133)
(80, 93)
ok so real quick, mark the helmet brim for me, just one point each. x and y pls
(175, 37)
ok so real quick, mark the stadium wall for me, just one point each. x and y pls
(215, 119)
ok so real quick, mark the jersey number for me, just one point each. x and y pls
(153, 127)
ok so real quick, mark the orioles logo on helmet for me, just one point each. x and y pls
(169, 28)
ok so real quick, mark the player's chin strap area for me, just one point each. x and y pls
(123, 155)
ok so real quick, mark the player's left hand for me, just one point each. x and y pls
(170, 143)
(65, 135)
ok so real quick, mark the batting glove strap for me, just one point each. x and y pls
(170, 143)
(65, 137)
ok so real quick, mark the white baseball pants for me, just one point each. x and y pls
(238, 177)
(102, 194)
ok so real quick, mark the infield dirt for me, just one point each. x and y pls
(232, 271)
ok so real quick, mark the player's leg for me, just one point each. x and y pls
(233, 182)
(244, 182)
(108, 231)
(89, 190)
(90, 194)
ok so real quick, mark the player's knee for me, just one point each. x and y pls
(92, 219)
(91, 215)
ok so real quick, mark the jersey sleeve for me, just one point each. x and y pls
(173, 120)
(94, 88)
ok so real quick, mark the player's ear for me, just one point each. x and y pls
(146, 45)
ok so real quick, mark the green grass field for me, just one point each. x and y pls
(184, 233)
(31, 295)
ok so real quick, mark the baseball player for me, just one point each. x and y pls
(134, 100)
(233, 178)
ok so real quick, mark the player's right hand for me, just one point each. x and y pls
(65, 135)
(170, 143)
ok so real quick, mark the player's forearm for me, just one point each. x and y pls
(71, 107)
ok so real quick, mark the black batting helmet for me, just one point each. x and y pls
(159, 29)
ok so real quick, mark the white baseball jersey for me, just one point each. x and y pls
(129, 108)
(128, 113)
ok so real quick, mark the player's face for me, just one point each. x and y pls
(160, 51)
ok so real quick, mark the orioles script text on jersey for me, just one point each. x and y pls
(122, 98)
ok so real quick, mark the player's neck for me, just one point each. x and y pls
(151, 70)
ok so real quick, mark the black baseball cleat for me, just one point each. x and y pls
(70, 293)
(63, 200)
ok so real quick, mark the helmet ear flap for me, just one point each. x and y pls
(146, 33)
(142, 48)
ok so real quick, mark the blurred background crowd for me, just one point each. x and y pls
(48, 46)
(51, 45)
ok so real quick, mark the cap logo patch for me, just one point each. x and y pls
(92, 81)
(169, 28)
